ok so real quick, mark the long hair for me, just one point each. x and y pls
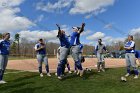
(131, 37)
(4, 34)
(59, 34)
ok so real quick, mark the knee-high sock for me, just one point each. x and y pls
(63, 69)
(75, 67)
(47, 68)
(136, 71)
(40, 69)
(128, 70)
(103, 65)
(68, 66)
(79, 65)
(60, 67)
(98, 65)
(1, 74)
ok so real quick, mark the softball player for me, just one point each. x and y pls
(80, 58)
(137, 54)
(4, 52)
(100, 48)
(130, 57)
(64, 51)
(40, 48)
(75, 49)
(67, 64)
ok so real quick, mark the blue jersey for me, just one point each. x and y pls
(137, 53)
(4, 47)
(130, 44)
(41, 51)
(75, 36)
(64, 41)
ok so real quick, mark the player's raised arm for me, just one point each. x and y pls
(59, 30)
(82, 28)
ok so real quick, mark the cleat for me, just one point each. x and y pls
(69, 72)
(60, 78)
(48, 74)
(81, 73)
(56, 74)
(41, 75)
(136, 77)
(103, 70)
(2, 82)
(127, 75)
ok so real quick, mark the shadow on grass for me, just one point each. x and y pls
(14, 85)
(86, 75)
(26, 90)
(17, 83)
(25, 77)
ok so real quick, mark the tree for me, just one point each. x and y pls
(0, 35)
(17, 37)
(137, 40)
(13, 48)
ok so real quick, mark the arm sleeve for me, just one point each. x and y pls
(125, 45)
(36, 47)
(96, 47)
(132, 44)
(0, 42)
(81, 30)
(104, 48)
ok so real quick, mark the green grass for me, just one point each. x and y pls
(93, 82)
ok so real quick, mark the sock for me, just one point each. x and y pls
(47, 68)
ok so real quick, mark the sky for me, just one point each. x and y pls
(111, 20)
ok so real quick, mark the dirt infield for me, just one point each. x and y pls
(32, 65)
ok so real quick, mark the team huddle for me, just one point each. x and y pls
(70, 46)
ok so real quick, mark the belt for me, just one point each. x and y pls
(65, 46)
(75, 45)
(130, 52)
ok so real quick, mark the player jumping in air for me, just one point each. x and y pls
(75, 49)
(64, 51)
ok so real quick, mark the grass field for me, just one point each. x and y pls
(93, 82)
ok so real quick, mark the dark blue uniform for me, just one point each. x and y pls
(75, 49)
(4, 52)
(64, 50)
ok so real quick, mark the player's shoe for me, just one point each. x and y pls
(136, 77)
(56, 74)
(62, 75)
(69, 72)
(78, 72)
(89, 69)
(75, 71)
(60, 78)
(41, 74)
(2, 82)
(81, 73)
(99, 71)
(103, 70)
(127, 75)
(48, 74)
